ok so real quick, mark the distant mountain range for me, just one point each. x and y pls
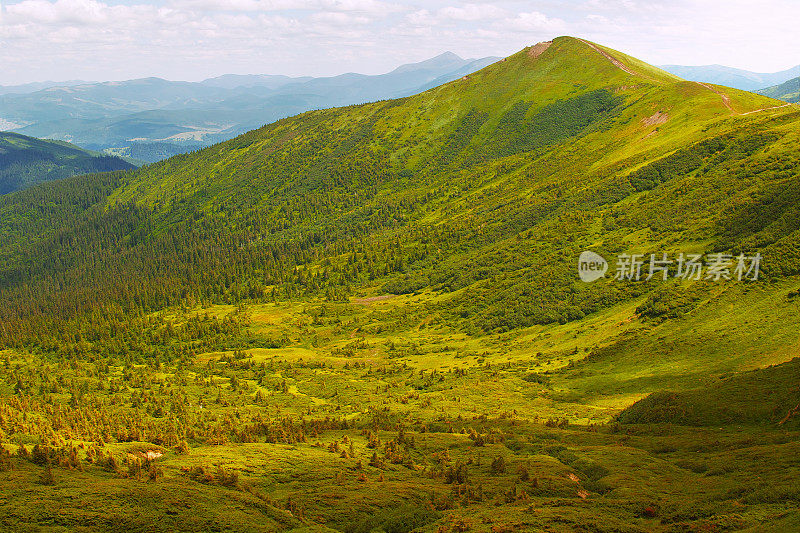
(732, 77)
(788, 91)
(153, 118)
(27, 88)
(25, 161)
(150, 119)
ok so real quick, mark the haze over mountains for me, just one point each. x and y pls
(27, 88)
(152, 118)
(732, 77)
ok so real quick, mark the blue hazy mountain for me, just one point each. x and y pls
(152, 118)
(732, 77)
(32, 87)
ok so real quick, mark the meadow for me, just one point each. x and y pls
(369, 318)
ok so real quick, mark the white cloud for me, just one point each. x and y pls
(338, 19)
(103, 39)
(239, 5)
(421, 17)
(472, 12)
(533, 21)
(363, 6)
(73, 12)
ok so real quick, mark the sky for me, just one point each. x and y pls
(196, 39)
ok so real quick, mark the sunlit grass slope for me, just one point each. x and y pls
(370, 318)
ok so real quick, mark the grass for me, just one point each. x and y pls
(735, 469)
(646, 478)
(367, 319)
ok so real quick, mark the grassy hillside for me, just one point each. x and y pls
(788, 91)
(370, 318)
(767, 396)
(25, 161)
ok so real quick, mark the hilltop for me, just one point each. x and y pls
(25, 161)
(370, 317)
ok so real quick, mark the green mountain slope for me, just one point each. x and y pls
(788, 91)
(765, 397)
(25, 161)
(479, 179)
(373, 313)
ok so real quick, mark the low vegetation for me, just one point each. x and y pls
(369, 318)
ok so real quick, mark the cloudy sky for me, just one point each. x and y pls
(194, 39)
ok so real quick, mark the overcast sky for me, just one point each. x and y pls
(194, 39)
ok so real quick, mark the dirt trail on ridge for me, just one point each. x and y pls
(725, 98)
(539, 48)
(727, 101)
(619, 64)
(766, 109)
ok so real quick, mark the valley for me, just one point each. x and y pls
(369, 318)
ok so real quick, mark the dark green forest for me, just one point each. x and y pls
(369, 318)
(25, 161)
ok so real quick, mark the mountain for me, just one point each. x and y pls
(732, 77)
(26, 88)
(234, 81)
(372, 318)
(103, 100)
(466, 69)
(118, 116)
(348, 89)
(788, 91)
(447, 61)
(25, 161)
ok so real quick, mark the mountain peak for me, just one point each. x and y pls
(443, 60)
(447, 55)
(576, 59)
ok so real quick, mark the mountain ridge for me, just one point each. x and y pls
(469, 112)
(732, 77)
(788, 91)
(27, 161)
(114, 116)
(371, 317)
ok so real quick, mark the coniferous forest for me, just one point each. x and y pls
(370, 318)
